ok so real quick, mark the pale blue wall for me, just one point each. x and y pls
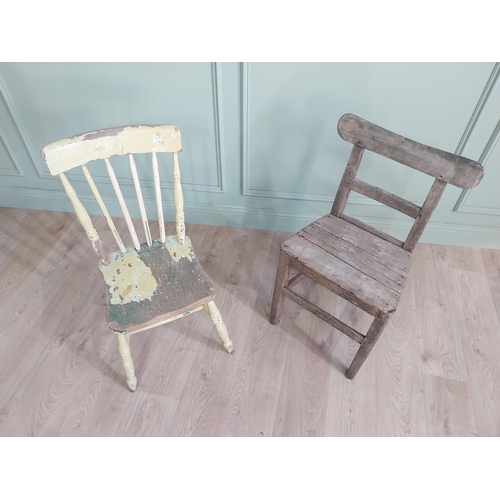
(260, 146)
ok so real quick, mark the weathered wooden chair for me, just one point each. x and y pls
(155, 282)
(354, 260)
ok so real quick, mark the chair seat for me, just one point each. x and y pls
(359, 266)
(153, 285)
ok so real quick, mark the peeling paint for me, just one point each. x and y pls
(158, 138)
(78, 150)
(178, 251)
(128, 278)
(106, 132)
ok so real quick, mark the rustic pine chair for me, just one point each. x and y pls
(155, 282)
(354, 260)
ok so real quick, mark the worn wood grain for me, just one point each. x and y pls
(323, 315)
(340, 277)
(345, 183)
(371, 337)
(282, 278)
(372, 230)
(375, 246)
(447, 167)
(389, 199)
(424, 215)
(356, 257)
(349, 274)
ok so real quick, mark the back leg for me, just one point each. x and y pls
(214, 313)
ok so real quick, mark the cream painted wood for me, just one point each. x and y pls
(159, 205)
(182, 287)
(214, 313)
(123, 205)
(66, 154)
(84, 219)
(128, 364)
(140, 199)
(102, 206)
(178, 201)
(169, 320)
(433, 374)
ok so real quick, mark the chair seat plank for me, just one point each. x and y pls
(368, 242)
(344, 279)
(372, 230)
(361, 260)
(297, 265)
(163, 286)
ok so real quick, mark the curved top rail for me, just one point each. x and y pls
(69, 153)
(447, 167)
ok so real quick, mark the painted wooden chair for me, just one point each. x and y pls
(354, 260)
(155, 282)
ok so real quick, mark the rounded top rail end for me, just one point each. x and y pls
(447, 167)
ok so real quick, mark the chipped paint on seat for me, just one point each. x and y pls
(129, 279)
(155, 282)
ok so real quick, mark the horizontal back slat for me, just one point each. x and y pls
(66, 154)
(389, 199)
(447, 167)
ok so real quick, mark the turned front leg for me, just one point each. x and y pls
(214, 314)
(128, 364)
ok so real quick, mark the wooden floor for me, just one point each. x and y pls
(434, 372)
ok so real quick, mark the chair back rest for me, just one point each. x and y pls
(443, 166)
(76, 151)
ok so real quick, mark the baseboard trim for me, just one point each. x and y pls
(258, 218)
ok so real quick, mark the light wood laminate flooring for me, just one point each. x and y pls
(434, 372)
